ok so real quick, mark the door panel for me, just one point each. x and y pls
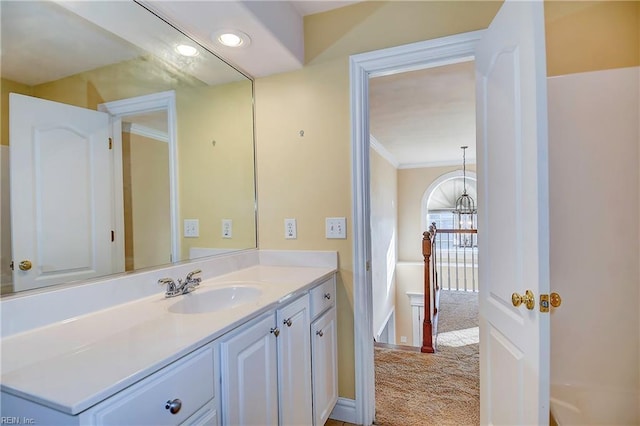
(249, 375)
(513, 215)
(294, 363)
(61, 192)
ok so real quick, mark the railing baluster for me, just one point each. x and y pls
(464, 263)
(456, 240)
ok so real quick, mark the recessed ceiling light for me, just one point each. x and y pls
(186, 50)
(231, 38)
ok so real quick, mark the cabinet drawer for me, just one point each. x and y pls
(189, 379)
(322, 297)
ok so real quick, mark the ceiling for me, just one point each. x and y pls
(417, 118)
(423, 118)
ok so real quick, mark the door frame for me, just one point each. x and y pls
(427, 54)
(137, 105)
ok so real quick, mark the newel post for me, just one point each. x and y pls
(427, 326)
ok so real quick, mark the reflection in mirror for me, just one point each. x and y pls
(112, 141)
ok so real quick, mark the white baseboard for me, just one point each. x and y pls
(344, 411)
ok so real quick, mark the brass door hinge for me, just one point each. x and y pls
(110, 143)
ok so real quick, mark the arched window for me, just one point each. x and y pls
(439, 201)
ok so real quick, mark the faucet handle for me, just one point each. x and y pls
(192, 273)
(172, 288)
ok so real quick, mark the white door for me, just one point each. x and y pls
(61, 191)
(513, 216)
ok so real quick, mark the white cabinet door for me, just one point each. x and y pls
(249, 374)
(294, 363)
(324, 366)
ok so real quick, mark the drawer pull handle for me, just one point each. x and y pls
(327, 296)
(319, 333)
(275, 331)
(174, 406)
(288, 322)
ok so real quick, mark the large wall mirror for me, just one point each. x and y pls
(125, 145)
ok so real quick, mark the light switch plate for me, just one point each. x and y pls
(191, 228)
(336, 227)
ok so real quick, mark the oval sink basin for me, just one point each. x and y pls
(215, 299)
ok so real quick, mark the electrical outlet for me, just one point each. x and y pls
(336, 227)
(290, 231)
(191, 228)
(227, 228)
(403, 339)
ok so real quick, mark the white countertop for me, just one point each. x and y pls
(72, 365)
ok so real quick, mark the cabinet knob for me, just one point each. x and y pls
(275, 331)
(174, 406)
(288, 322)
(319, 333)
(327, 296)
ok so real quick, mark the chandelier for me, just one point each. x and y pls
(465, 205)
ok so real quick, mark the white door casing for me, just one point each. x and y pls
(137, 105)
(61, 189)
(414, 56)
(513, 218)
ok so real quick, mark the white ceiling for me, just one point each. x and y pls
(423, 117)
(420, 118)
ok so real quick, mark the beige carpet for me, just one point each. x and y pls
(434, 389)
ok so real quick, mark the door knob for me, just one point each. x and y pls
(556, 300)
(25, 265)
(528, 299)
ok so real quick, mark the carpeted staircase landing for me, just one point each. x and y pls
(434, 389)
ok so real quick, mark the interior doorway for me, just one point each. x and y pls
(418, 121)
(448, 50)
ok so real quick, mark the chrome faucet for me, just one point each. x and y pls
(175, 289)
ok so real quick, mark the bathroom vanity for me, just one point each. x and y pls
(255, 343)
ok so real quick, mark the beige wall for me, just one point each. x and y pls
(6, 87)
(309, 177)
(150, 223)
(215, 127)
(384, 238)
(591, 35)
